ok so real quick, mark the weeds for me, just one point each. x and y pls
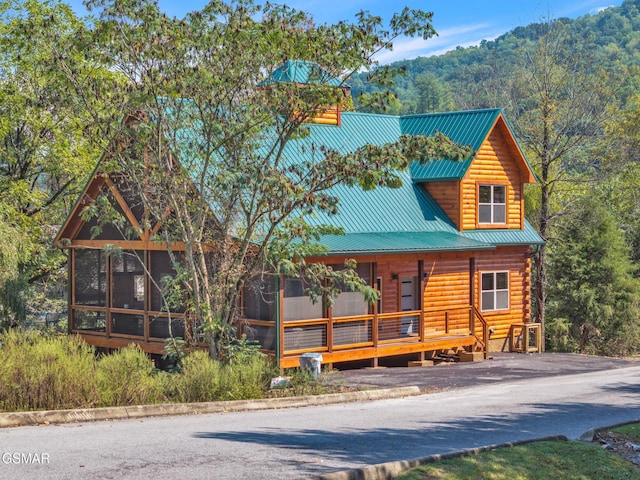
(43, 371)
(199, 378)
(127, 377)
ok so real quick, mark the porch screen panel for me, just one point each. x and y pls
(125, 324)
(90, 277)
(165, 296)
(264, 335)
(259, 299)
(89, 321)
(159, 327)
(347, 303)
(131, 195)
(297, 305)
(127, 280)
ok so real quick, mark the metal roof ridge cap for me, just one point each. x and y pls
(453, 112)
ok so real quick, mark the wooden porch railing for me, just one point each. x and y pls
(373, 330)
(482, 342)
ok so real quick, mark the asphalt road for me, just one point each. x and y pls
(295, 443)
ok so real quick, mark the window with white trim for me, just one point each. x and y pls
(492, 204)
(495, 291)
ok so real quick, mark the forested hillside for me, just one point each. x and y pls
(473, 77)
(570, 90)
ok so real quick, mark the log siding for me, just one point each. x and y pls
(493, 165)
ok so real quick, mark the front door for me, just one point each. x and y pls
(408, 302)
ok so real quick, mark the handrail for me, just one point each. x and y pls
(406, 313)
(473, 312)
(484, 342)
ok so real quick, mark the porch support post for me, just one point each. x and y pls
(374, 323)
(72, 285)
(330, 329)
(472, 293)
(279, 321)
(421, 300)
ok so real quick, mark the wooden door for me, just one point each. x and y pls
(408, 302)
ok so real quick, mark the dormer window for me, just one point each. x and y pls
(492, 204)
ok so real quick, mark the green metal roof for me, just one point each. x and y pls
(400, 242)
(465, 128)
(404, 219)
(528, 236)
(305, 73)
(408, 208)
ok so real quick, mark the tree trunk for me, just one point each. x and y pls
(540, 290)
(541, 257)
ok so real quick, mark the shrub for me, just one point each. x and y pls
(40, 372)
(558, 335)
(199, 378)
(246, 379)
(127, 377)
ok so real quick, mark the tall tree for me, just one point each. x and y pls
(44, 152)
(621, 152)
(433, 96)
(593, 290)
(198, 90)
(558, 105)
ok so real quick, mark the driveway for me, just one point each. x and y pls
(500, 368)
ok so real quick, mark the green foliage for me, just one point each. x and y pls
(562, 461)
(40, 371)
(45, 373)
(592, 283)
(245, 375)
(247, 371)
(46, 152)
(199, 379)
(558, 335)
(127, 377)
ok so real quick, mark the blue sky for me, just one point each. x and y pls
(458, 23)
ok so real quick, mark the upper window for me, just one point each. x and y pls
(495, 291)
(492, 204)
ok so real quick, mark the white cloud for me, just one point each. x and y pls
(597, 10)
(448, 39)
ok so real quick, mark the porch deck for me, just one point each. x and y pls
(372, 336)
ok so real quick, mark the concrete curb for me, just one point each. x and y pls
(590, 435)
(384, 471)
(45, 417)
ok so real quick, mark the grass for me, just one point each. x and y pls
(561, 460)
(630, 431)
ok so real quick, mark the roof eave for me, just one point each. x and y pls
(410, 251)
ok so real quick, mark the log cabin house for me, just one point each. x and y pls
(449, 251)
